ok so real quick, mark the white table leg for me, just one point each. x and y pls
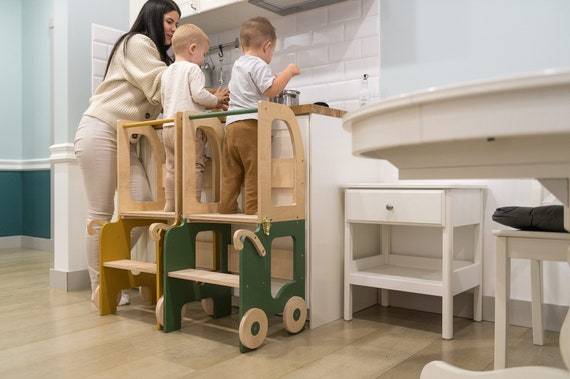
(502, 294)
(536, 302)
(478, 258)
(447, 298)
(386, 246)
(347, 270)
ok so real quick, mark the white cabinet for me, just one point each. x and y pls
(190, 7)
(206, 5)
(213, 16)
(444, 209)
(223, 15)
(187, 7)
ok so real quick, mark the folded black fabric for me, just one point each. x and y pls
(547, 218)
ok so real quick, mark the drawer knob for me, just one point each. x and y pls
(389, 207)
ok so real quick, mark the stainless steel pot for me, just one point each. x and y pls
(287, 97)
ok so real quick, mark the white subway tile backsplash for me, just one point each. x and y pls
(314, 56)
(214, 40)
(356, 68)
(109, 49)
(328, 35)
(284, 25)
(234, 54)
(227, 36)
(333, 47)
(280, 61)
(310, 20)
(350, 105)
(99, 50)
(328, 73)
(296, 42)
(311, 94)
(344, 11)
(345, 51)
(344, 90)
(95, 81)
(370, 8)
(361, 28)
(98, 67)
(305, 79)
(105, 34)
(371, 46)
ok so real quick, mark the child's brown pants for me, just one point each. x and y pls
(239, 165)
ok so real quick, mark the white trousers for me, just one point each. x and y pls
(169, 140)
(96, 152)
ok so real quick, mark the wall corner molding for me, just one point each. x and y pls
(62, 153)
(24, 165)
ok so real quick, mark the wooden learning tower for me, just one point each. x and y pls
(281, 214)
(117, 270)
(179, 271)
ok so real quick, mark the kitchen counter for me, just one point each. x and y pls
(307, 109)
(317, 109)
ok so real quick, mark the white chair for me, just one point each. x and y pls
(538, 247)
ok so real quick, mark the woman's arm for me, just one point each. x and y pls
(142, 64)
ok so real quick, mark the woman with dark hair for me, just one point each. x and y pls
(129, 91)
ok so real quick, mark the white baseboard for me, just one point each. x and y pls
(26, 242)
(69, 281)
(11, 242)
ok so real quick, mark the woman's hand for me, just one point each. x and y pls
(223, 95)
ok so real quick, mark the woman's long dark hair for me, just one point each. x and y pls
(150, 22)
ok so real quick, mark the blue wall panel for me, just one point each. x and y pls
(25, 206)
(11, 203)
(36, 209)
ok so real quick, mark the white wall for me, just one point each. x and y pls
(36, 83)
(443, 42)
(11, 81)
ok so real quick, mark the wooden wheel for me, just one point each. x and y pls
(253, 328)
(159, 310)
(295, 314)
(144, 291)
(208, 306)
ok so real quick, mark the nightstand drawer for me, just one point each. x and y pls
(395, 206)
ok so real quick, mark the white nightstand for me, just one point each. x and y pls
(445, 207)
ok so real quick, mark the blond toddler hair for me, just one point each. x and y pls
(186, 35)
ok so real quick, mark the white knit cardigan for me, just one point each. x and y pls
(131, 89)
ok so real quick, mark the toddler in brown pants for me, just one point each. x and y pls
(252, 81)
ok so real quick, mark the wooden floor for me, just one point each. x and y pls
(48, 333)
